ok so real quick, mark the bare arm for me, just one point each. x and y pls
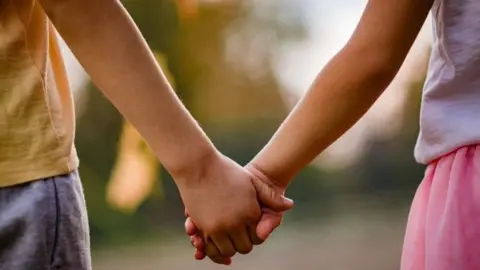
(346, 88)
(108, 44)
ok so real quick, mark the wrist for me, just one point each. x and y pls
(279, 165)
(191, 171)
(264, 176)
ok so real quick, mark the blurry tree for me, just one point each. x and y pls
(389, 166)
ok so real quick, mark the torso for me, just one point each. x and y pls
(450, 114)
(36, 108)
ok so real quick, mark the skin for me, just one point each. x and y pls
(271, 217)
(344, 90)
(219, 195)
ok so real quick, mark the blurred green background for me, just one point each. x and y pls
(240, 66)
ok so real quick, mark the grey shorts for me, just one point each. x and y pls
(44, 226)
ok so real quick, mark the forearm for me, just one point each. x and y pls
(109, 46)
(347, 87)
(340, 95)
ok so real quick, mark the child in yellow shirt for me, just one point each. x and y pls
(43, 222)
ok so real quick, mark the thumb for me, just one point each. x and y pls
(268, 223)
(271, 199)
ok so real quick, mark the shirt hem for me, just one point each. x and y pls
(42, 171)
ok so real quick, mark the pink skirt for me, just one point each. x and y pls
(443, 230)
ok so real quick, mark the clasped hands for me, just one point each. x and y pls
(230, 209)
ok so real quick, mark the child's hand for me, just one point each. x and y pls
(271, 218)
(222, 202)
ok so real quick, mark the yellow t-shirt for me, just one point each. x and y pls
(37, 121)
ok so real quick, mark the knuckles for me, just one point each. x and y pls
(230, 224)
(220, 228)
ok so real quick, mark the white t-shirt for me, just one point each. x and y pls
(450, 113)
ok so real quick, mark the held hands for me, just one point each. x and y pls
(273, 204)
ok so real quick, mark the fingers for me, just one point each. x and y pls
(241, 242)
(190, 227)
(199, 245)
(224, 245)
(252, 233)
(226, 248)
(214, 254)
(200, 255)
(197, 242)
(270, 198)
(269, 221)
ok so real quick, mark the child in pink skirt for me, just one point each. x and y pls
(443, 231)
